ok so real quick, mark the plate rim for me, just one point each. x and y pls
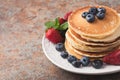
(59, 66)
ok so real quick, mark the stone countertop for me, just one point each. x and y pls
(21, 31)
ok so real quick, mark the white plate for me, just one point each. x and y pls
(55, 58)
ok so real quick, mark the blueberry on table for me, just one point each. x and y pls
(71, 58)
(84, 14)
(76, 64)
(100, 15)
(101, 9)
(64, 54)
(59, 47)
(97, 64)
(93, 10)
(85, 61)
(90, 18)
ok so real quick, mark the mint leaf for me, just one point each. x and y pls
(49, 24)
(53, 24)
(57, 24)
(63, 26)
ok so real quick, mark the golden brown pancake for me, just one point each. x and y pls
(83, 41)
(81, 46)
(94, 40)
(78, 56)
(97, 29)
(77, 53)
(108, 39)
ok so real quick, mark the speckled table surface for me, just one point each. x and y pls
(21, 31)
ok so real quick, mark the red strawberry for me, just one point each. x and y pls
(61, 20)
(113, 58)
(67, 15)
(53, 35)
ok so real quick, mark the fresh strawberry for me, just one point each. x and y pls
(61, 20)
(67, 15)
(113, 58)
(53, 35)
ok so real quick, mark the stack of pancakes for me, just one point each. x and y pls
(94, 40)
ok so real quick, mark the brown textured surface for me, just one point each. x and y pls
(21, 31)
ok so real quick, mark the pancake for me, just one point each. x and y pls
(86, 42)
(108, 39)
(77, 53)
(78, 45)
(78, 56)
(94, 40)
(97, 29)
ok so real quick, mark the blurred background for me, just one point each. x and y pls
(21, 31)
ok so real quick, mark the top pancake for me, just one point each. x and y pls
(97, 29)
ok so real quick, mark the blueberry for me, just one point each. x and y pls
(64, 54)
(84, 14)
(76, 64)
(100, 15)
(97, 64)
(59, 47)
(90, 18)
(93, 10)
(101, 9)
(62, 32)
(85, 61)
(71, 59)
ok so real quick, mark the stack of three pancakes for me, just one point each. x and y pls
(94, 40)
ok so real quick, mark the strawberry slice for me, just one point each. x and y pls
(53, 35)
(67, 15)
(113, 58)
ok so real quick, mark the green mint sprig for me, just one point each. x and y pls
(55, 24)
(63, 26)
